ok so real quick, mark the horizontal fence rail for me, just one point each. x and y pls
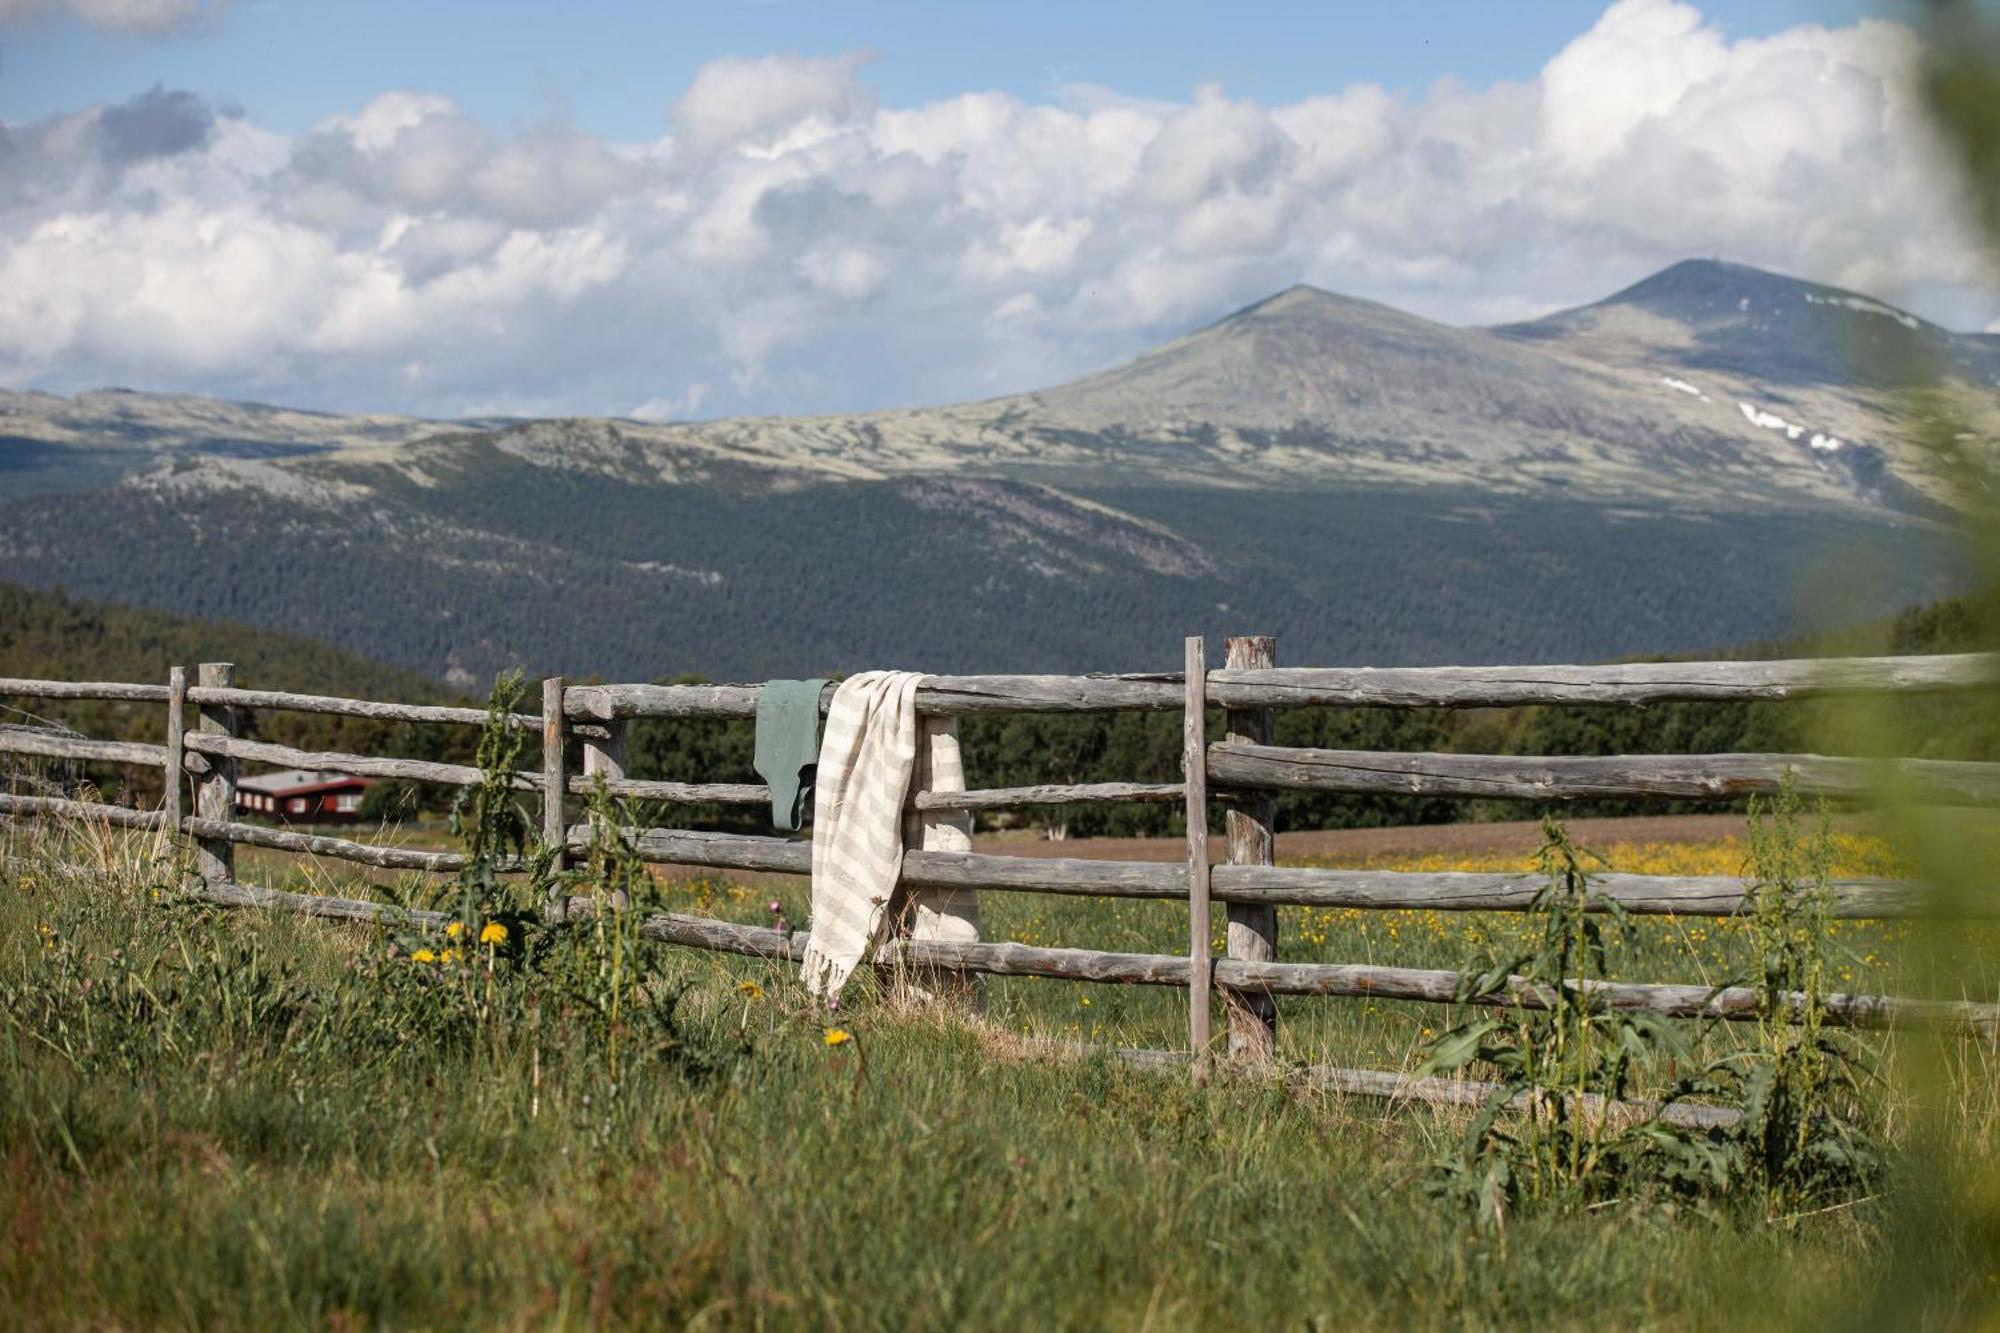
(94, 811)
(1436, 986)
(49, 745)
(232, 697)
(266, 752)
(1699, 777)
(1632, 684)
(204, 739)
(11, 686)
(936, 696)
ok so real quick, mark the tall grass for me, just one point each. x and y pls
(216, 1119)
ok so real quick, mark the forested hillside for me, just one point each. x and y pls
(1004, 751)
(49, 635)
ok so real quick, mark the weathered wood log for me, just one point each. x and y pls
(921, 869)
(997, 959)
(1635, 683)
(1472, 1094)
(1083, 793)
(1194, 777)
(674, 793)
(344, 849)
(721, 851)
(1390, 1086)
(1711, 777)
(1395, 687)
(1251, 826)
(1393, 983)
(174, 776)
(418, 770)
(228, 893)
(554, 786)
(1273, 886)
(992, 798)
(35, 741)
(57, 807)
(1404, 687)
(344, 707)
(215, 798)
(604, 756)
(1736, 1003)
(1434, 986)
(82, 689)
(1478, 891)
(937, 695)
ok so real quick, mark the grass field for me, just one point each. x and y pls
(246, 1120)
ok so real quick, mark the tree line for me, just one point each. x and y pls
(48, 634)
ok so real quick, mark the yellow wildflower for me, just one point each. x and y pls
(493, 933)
(423, 956)
(455, 929)
(838, 1036)
(448, 956)
(750, 989)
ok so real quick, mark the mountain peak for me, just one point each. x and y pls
(1292, 297)
(1713, 289)
(1708, 314)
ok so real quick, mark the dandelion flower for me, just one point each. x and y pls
(752, 990)
(423, 956)
(493, 933)
(838, 1036)
(455, 929)
(448, 956)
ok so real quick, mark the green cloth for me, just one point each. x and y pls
(788, 746)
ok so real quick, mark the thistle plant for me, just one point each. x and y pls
(1807, 1136)
(1546, 1134)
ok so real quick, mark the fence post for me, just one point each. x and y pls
(215, 799)
(173, 800)
(606, 756)
(554, 733)
(1194, 773)
(1250, 821)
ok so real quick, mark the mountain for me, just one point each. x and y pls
(52, 443)
(1656, 471)
(1772, 331)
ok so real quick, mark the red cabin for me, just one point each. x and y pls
(299, 795)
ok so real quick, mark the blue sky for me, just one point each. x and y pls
(672, 211)
(612, 68)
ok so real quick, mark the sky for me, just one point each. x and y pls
(767, 206)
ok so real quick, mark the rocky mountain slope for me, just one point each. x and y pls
(1653, 472)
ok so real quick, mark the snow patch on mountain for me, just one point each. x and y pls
(1819, 441)
(1866, 307)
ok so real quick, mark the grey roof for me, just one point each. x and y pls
(291, 779)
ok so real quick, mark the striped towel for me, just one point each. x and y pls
(866, 758)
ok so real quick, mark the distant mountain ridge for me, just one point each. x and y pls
(1646, 473)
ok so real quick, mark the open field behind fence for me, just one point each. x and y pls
(1229, 903)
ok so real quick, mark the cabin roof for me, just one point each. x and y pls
(298, 781)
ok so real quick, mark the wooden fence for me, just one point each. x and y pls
(1240, 771)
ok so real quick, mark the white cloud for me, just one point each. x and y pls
(143, 16)
(770, 104)
(789, 245)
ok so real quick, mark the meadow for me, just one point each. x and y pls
(224, 1119)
